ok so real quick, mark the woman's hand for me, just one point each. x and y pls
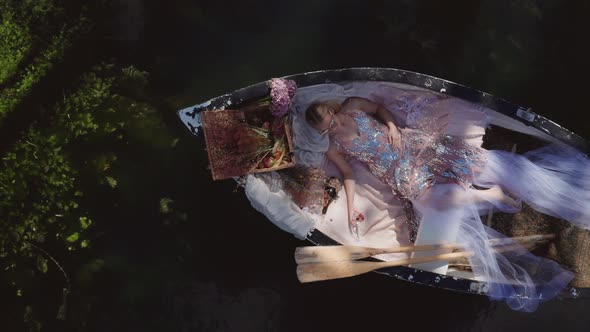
(394, 136)
(354, 217)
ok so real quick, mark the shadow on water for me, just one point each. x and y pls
(189, 254)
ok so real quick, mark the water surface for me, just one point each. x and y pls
(225, 267)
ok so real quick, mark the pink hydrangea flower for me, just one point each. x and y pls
(281, 93)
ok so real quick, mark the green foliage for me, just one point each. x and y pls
(42, 264)
(44, 171)
(35, 176)
(33, 73)
(38, 16)
(31, 45)
(30, 28)
(15, 45)
(61, 176)
(73, 237)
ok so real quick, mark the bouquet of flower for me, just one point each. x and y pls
(282, 92)
(279, 101)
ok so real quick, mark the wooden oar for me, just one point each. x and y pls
(311, 272)
(316, 254)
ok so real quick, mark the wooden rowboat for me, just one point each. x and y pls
(520, 116)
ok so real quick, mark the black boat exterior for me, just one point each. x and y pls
(519, 113)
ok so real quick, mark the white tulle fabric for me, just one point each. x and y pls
(554, 180)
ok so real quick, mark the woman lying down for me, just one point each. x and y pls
(414, 171)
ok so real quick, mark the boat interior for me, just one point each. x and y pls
(386, 221)
(384, 226)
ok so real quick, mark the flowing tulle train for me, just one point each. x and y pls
(554, 180)
(518, 277)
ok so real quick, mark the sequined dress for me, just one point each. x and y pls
(426, 156)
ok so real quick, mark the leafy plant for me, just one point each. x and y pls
(31, 45)
(45, 173)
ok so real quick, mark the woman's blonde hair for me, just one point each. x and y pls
(316, 112)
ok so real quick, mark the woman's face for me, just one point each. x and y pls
(328, 124)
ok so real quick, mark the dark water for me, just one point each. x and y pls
(241, 276)
(221, 266)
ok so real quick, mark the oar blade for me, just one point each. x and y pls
(334, 270)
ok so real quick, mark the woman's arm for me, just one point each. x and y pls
(379, 111)
(401, 117)
(349, 184)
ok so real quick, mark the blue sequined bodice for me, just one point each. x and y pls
(371, 147)
(422, 159)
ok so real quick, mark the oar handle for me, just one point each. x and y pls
(440, 257)
(311, 254)
(454, 246)
(417, 260)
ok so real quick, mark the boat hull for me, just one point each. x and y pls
(191, 118)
